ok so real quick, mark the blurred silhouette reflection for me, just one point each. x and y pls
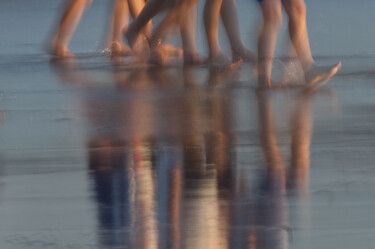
(272, 212)
(123, 182)
(300, 143)
(161, 154)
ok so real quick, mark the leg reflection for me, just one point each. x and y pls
(271, 211)
(219, 142)
(273, 206)
(203, 224)
(300, 145)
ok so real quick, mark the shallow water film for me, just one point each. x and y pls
(105, 154)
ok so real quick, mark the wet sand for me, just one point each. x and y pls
(102, 155)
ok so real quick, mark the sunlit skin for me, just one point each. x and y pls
(179, 14)
(182, 15)
(136, 7)
(213, 9)
(67, 24)
(142, 47)
(119, 20)
(72, 14)
(70, 19)
(188, 36)
(272, 20)
(152, 8)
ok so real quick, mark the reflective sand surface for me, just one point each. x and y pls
(172, 158)
(96, 155)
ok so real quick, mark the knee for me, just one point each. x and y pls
(295, 9)
(272, 15)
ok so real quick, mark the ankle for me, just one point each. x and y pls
(308, 66)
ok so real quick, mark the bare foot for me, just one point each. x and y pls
(321, 73)
(119, 48)
(220, 60)
(171, 50)
(141, 50)
(194, 59)
(157, 57)
(60, 51)
(234, 65)
(245, 55)
(226, 67)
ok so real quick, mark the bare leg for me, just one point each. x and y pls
(272, 20)
(119, 20)
(232, 28)
(136, 7)
(175, 16)
(148, 12)
(274, 160)
(68, 23)
(188, 29)
(157, 56)
(211, 17)
(296, 10)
